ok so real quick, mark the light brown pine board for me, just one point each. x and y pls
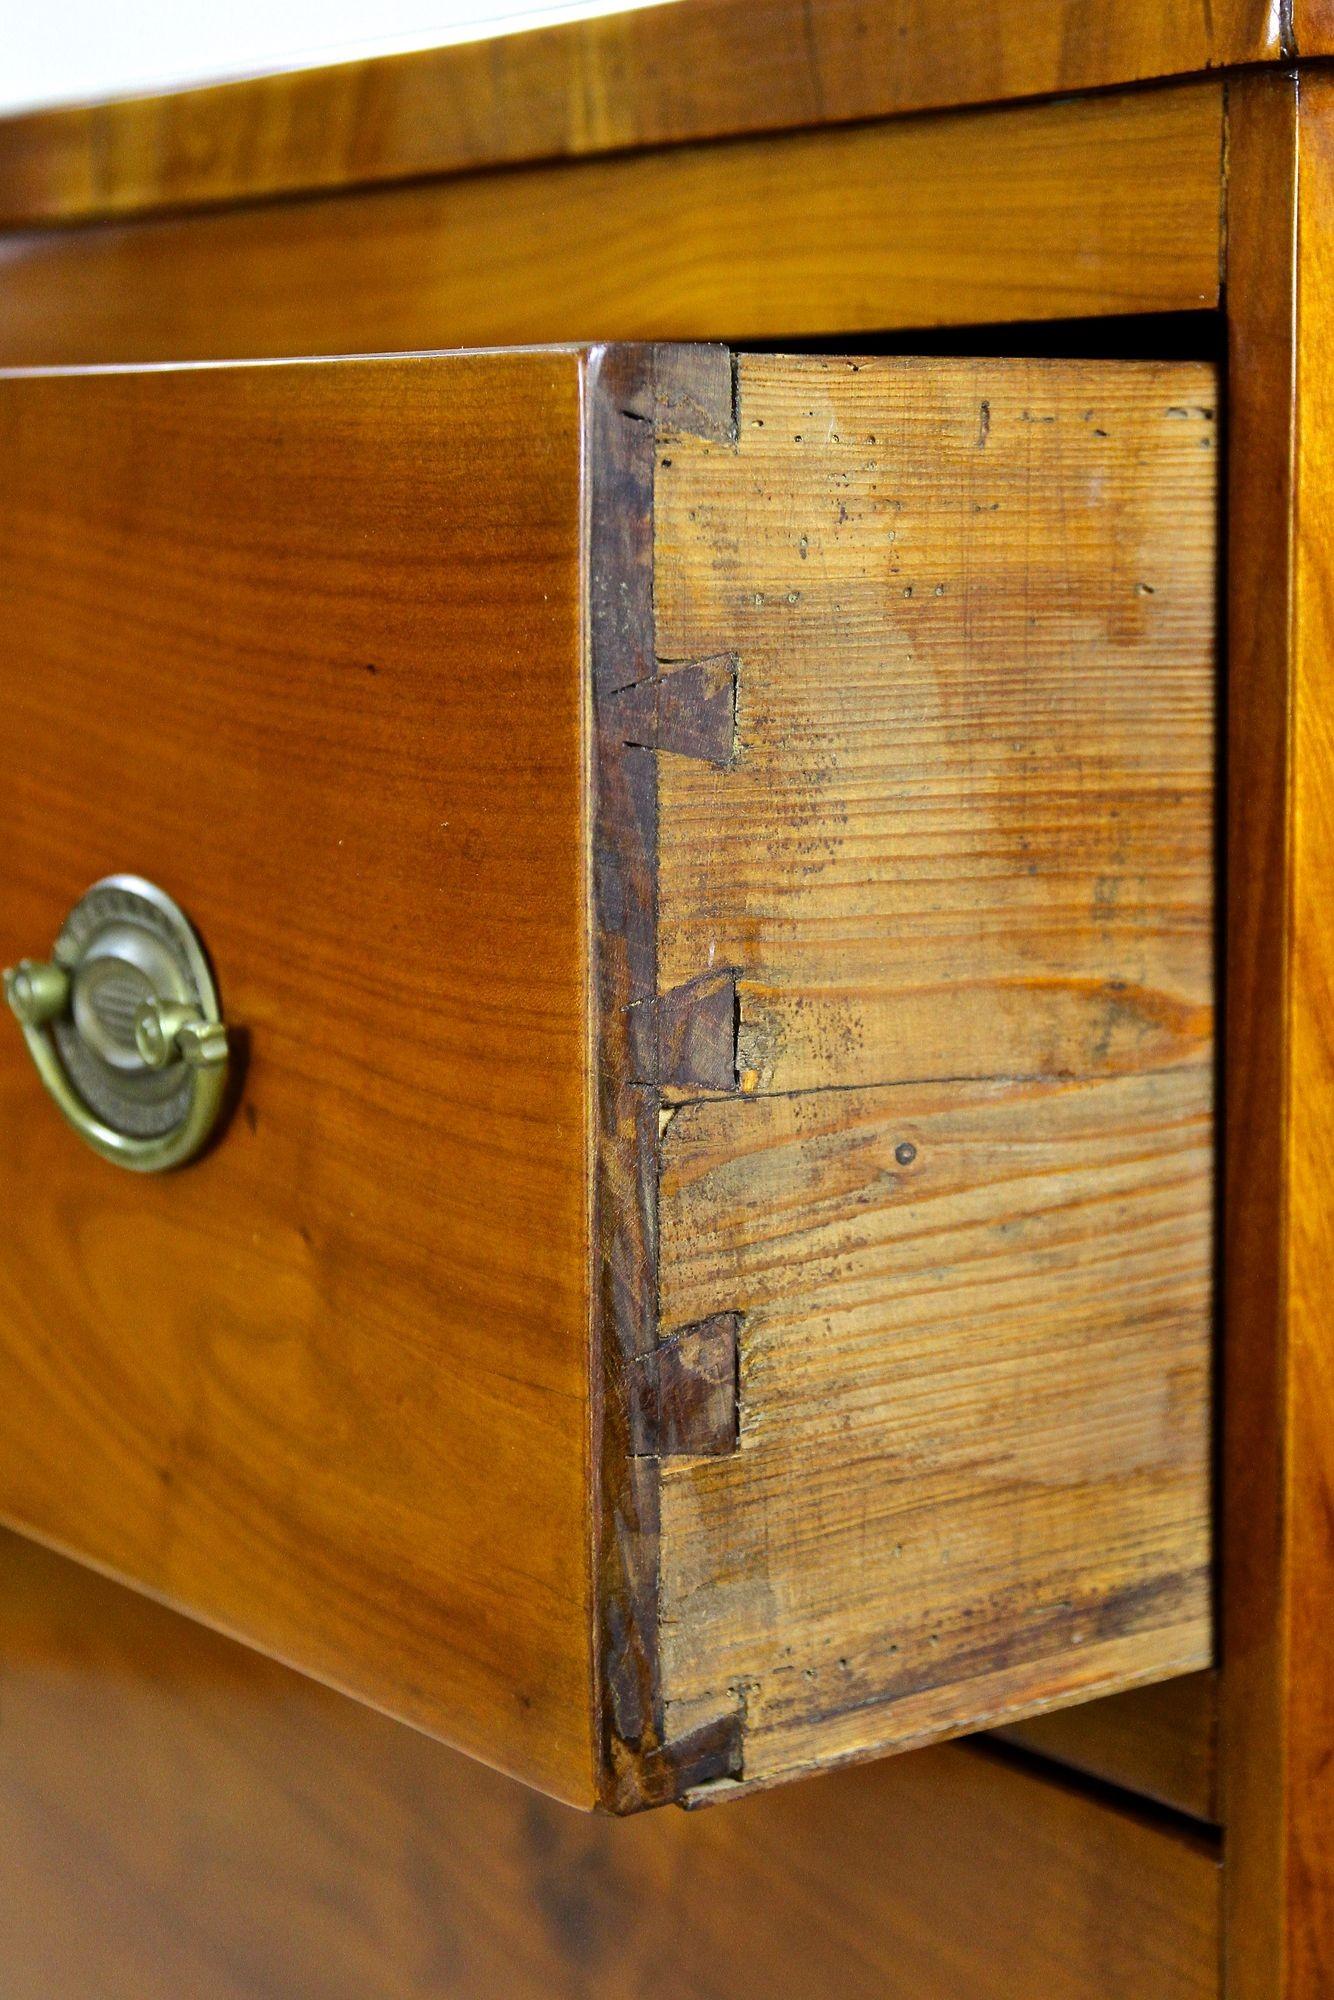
(962, 864)
(970, 828)
(974, 1459)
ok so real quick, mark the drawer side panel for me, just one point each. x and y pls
(959, 867)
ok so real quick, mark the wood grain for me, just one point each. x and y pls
(283, 639)
(306, 1388)
(961, 870)
(968, 830)
(641, 1764)
(1261, 264)
(183, 1817)
(973, 1467)
(1310, 31)
(1309, 1349)
(1160, 1742)
(1278, 1709)
(1105, 206)
(706, 68)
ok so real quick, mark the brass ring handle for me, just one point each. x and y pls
(124, 1027)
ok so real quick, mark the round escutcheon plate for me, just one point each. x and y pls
(124, 1025)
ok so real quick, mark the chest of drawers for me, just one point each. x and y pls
(763, 869)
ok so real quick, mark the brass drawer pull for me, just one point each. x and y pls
(124, 1026)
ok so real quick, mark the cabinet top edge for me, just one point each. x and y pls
(668, 74)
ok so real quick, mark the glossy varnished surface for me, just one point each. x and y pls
(304, 645)
(182, 1817)
(1278, 1694)
(1309, 1583)
(1310, 1139)
(1107, 206)
(695, 70)
(330, 1388)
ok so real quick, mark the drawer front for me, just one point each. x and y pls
(303, 645)
(708, 863)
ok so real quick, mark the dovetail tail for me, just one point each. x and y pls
(687, 709)
(686, 1038)
(694, 390)
(685, 1767)
(686, 1392)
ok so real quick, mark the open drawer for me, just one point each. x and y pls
(697, 1260)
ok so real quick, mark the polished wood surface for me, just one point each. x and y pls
(1278, 1710)
(1309, 1348)
(1160, 1742)
(960, 866)
(304, 644)
(1309, 29)
(183, 1817)
(1066, 211)
(1262, 188)
(1106, 206)
(699, 69)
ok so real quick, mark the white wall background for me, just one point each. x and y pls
(65, 51)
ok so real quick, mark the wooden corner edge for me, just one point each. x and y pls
(632, 393)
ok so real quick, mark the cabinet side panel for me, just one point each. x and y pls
(1278, 1696)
